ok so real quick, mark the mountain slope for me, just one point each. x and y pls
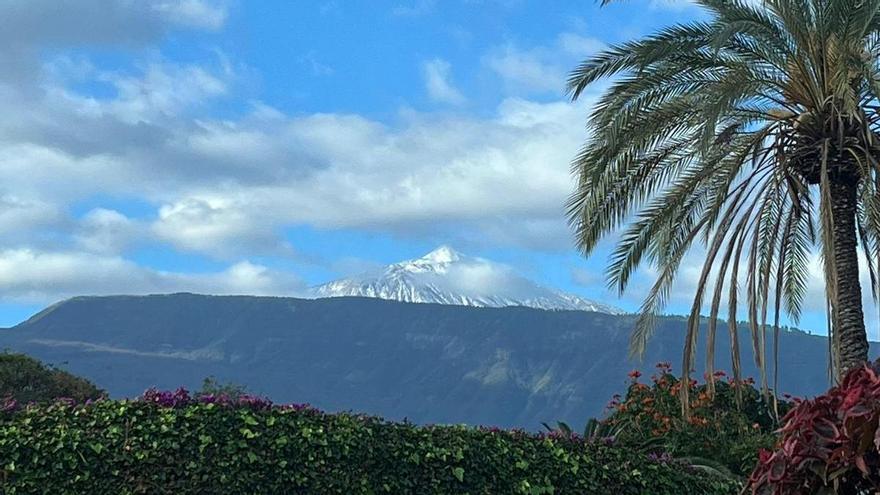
(445, 276)
(427, 362)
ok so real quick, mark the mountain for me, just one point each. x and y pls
(445, 276)
(430, 363)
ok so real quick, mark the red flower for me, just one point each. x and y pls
(635, 374)
(664, 367)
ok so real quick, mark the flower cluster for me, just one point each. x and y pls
(717, 427)
(249, 401)
(181, 397)
(165, 398)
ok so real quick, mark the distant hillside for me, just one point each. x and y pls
(429, 363)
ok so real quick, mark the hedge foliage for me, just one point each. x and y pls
(169, 443)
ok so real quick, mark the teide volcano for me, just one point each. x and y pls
(445, 276)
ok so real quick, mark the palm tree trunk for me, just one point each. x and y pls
(852, 340)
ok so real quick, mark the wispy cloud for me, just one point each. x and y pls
(540, 69)
(317, 68)
(438, 83)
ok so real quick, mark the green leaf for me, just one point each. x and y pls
(458, 473)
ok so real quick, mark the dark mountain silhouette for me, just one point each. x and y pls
(429, 363)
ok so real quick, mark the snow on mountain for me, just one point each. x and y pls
(446, 276)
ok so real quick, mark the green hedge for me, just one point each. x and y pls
(140, 447)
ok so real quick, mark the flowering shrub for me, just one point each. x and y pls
(716, 429)
(830, 444)
(181, 397)
(171, 442)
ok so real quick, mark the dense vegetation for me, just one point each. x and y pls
(171, 443)
(722, 432)
(24, 379)
(830, 444)
(716, 429)
(222, 439)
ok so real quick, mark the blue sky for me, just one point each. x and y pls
(264, 147)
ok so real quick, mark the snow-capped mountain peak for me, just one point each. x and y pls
(443, 254)
(446, 276)
(437, 261)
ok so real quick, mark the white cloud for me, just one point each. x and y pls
(31, 276)
(28, 23)
(107, 231)
(526, 69)
(196, 13)
(541, 68)
(579, 46)
(267, 171)
(481, 277)
(217, 226)
(18, 214)
(163, 89)
(229, 187)
(437, 74)
(227, 182)
(159, 89)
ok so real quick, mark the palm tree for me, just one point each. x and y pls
(753, 134)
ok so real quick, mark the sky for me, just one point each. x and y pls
(262, 147)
